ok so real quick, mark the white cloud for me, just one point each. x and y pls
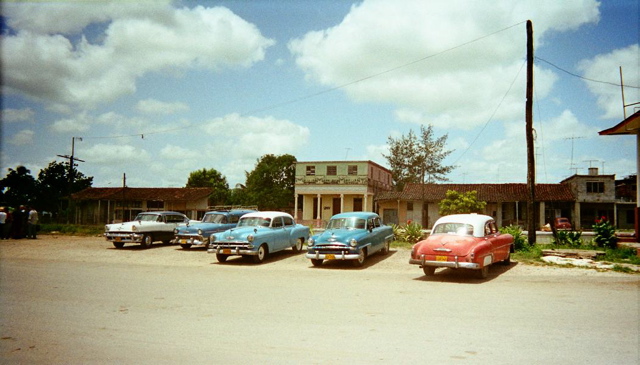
(23, 137)
(172, 152)
(115, 155)
(153, 106)
(259, 136)
(17, 115)
(457, 83)
(86, 74)
(606, 67)
(78, 123)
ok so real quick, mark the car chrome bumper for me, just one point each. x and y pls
(191, 240)
(451, 264)
(331, 256)
(123, 237)
(232, 250)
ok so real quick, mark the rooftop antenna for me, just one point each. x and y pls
(572, 139)
(347, 154)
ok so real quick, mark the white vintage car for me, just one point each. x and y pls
(145, 229)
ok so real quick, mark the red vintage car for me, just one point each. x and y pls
(463, 241)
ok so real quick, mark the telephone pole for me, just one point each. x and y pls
(72, 164)
(531, 165)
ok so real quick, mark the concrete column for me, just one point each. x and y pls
(295, 207)
(365, 207)
(319, 210)
(576, 216)
(341, 203)
(542, 222)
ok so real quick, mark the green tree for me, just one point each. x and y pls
(210, 178)
(270, 185)
(54, 185)
(458, 203)
(18, 188)
(418, 159)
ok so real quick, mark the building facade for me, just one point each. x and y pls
(325, 188)
(110, 205)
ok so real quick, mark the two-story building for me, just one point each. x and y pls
(595, 197)
(325, 188)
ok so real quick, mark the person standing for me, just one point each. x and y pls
(3, 222)
(32, 224)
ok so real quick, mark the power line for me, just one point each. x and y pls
(582, 77)
(328, 90)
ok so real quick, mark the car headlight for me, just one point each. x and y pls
(311, 242)
(175, 230)
(133, 228)
(250, 238)
(212, 239)
(200, 232)
(353, 242)
(106, 228)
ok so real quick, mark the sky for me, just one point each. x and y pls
(156, 90)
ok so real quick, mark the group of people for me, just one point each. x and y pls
(18, 223)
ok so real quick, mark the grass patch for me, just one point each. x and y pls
(71, 229)
(402, 244)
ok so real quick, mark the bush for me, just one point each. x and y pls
(519, 240)
(411, 233)
(605, 233)
(72, 229)
(568, 238)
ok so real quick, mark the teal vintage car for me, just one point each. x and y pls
(257, 235)
(197, 234)
(350, 236)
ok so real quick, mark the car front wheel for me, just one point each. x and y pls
(262, 253)
(316, 262)
(360, 260)
(147, 240)
(186, 246)
(221, 257)
(118, 244)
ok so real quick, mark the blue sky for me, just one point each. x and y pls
(157, 90)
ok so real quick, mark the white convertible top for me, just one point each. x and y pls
(478, 221)
(267, 215)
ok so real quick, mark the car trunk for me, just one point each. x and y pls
(446, 245)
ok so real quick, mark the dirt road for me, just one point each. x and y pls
(79, 300)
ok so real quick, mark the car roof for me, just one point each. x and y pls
(164, 212)
(267, 215)
(234, 211)
(476, 220)
(363, 215)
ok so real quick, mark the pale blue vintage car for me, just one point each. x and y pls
(350, 236)
(257, 235)
(197, 234)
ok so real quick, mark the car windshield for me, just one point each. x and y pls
(214, 218)
(462, 229)
(346, 223)
(254, 221)
(148, 218)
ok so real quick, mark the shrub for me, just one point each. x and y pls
(568, 238)
(411, 233)
(605, 233)
(519, 240)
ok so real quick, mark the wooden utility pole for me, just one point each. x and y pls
(531, 165)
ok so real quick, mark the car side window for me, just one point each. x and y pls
(277, 222)
(234, 219)
(288, 221)
(159, 219)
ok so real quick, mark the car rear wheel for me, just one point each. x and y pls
(507, 261)
(385, 248)
(147, 241)
(316, 262)
(262, 253)
(360, 260)
(118, 244)
(186, 246)
(483, 273)
(221, 257)
(429, 270)
(298, 246)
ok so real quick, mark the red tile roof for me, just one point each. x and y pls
(160, 194)
(486, 192)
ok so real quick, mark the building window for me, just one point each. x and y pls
(410, 206)
(352, 170)
(311, 170)
(357, 204)
(595, 187)
(332, 170)
(155, 204)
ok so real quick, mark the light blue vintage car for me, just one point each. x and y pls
(350, 236)
(197, 234)
(259, 234)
